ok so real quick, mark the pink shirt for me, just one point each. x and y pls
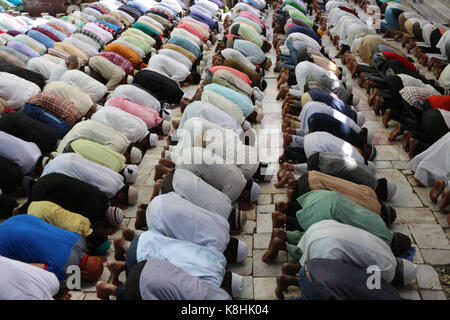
(192, 30)
(201, 24)
(149, 116)
(252, 17)
(241, 75)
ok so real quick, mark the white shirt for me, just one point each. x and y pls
(193, 223)
(152, 21)
(95, 89)
(169, 67)
(313, 107)
(31, 86)
(329, 239)
(234, 54)
(83, 46)
(132, 127)
(192, 188)
(46, 67)
(16, 95)
(189, 36)
(325, 142)
(136, 95)
(22, 281)
(75, 166)
(24, 154)
(177, 56)
(303, 69)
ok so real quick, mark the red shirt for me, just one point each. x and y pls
(403, 60)
(439, 102)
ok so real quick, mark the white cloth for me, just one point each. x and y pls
(229, 53)
(31, 86)
(329, 239)
(210, 112)
(75, 166)
(202, 262)
(180, 219)
(169, 67)
(95, 89)
(24, 154)
(83, 46)
(136, 95)
(131, 126)
(16, 95)
(192, 188)
(97, 132)
(313, 107)
(224, 104)
(177, 56)
(433, 163)
(297, 36)
(409, 81)
(152, 21)
(325, 142)
(22, 281)
(305, 68)
(189, 36)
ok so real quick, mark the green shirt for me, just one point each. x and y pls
(136, 42)
(148, 40)
(320, 205)
(301, 16)
(295, 5)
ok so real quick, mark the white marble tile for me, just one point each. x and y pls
(429, 236)
(404, 197)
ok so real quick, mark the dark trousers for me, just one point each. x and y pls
(327, 123)
(295, 154)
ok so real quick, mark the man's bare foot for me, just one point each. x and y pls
(386, 118)
(285, 166)
(436, 190)
(283, 282)
(166, 163)
(128, 234)
(361, 80)
(141, 221)
(287, 140)
(275, 245)
(291, 269)
(156, 189)
(278, 219)
(281, 206)
(412, 147)
(160, 171)
(104, 290)
(420, 184)
(445, 202)
(283, 91)
(405, 139)
(116, 268)
(372, 95)
(379, 102)
(281, 158)
(175, 123)
(291, 194)
(285, 179)
(395, 133)
(119, 249)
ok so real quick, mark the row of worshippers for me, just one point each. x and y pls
(203, 184)
(420, 106)
(90, 164)
(6, 5)
(334, 224)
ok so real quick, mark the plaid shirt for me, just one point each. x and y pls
(105, 27)
(118, 60)
(57, 105)
(91, 35)
(415, 96)
(161, 13)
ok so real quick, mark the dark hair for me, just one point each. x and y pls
(95, 239)
(7, 205)
(196, 78)
(400, 244)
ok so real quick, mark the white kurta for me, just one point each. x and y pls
(97, 132)
(178, 218)
(305, 68)
(192, 188)
(20, 82)
(329, 239)
(433, 163)
(229, 53)
(177, 56)
(224, 104)
(75, 166)
(199, 261)
(136, 95)
(95, 89)
(24, 154)
(131, 126)
(325, 142)
(168, 66)
(15, 95)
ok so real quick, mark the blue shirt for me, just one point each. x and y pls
(42, 38)
(186, 44)
(61, 36)
(308, 31)
(210, 22)
(335, 103)
(242, 101)
(32, 240)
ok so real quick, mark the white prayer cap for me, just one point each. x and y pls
(246, 125)
(153, 139)
(98, 107)
(267, 172)
(208, 43)
(133, 194)
(130, 173)
(258, 94)
(348, 85)
(152, 50)
(166, 114)
(360, 119)
(391, 189)
(205, 47)
(44, 162)
(407, 270)
(370, 137)
(166, 126)
(255, 192)
(114, 216)
(355, 100)
(168, 155)
(237, 284)
(86, 69)
(326, 50)
(135, 155)
(300, 169)
(54, 154)
(242, 251)
(130, 79)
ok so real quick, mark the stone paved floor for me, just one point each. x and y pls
(417, 216)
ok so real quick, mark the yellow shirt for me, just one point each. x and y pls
(60, 217)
